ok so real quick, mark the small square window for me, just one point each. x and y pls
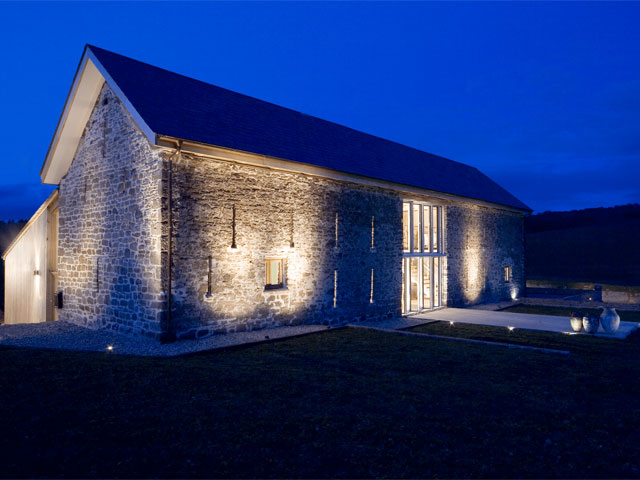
(507, 273)
(275, 273)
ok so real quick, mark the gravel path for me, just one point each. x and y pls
(65, 336)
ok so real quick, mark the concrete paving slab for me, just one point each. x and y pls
(547, 323)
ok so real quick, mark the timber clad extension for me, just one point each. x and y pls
(321, 224)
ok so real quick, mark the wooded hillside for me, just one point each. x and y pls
(8, 231)
(592, 245)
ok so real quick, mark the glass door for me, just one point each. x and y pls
(421, 278)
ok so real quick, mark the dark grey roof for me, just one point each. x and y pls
(181, 107)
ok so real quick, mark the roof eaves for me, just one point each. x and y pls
(70, 111)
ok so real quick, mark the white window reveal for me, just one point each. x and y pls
(508, 273)
(371, 292)
(274, 273)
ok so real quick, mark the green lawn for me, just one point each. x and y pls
(345, 403)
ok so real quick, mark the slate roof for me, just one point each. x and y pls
(182, 107)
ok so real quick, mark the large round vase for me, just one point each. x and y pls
(576, 321)
(610, 320)
(590, 323)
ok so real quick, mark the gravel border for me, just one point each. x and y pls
(66, 336)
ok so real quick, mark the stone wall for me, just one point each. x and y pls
(110, 226)
(113, 228)
(273, 211)
(481, 241)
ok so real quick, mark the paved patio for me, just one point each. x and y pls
(548, 323)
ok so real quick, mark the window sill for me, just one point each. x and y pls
(275, 289)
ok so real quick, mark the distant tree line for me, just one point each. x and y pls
(594, 245)
(8, 231)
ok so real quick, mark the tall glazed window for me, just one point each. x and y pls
(427, 228)
(417, 228)
(435, 222)
(423, 252)
(406, 225)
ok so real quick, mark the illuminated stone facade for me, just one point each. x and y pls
(340, 242)
(109, 262)
(274, 210)
(481, 242)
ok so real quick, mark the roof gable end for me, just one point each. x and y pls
(166, 105)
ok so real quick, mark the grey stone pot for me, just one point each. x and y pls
(576, 321)
(590, 323)
(610, 320)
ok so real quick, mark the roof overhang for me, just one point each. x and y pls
(237, 156)
(87, 83)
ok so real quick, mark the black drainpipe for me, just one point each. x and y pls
(169, 335)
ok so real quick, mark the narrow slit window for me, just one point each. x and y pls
(275, 273)
(336, 232)
(373, 232)
(507, 273)
(233, 226)
(371, 292)
(209, 274)
(335, 288)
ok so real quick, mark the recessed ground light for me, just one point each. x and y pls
(109, 348)
(451, 323)
(511, 328)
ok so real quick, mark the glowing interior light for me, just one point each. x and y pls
(371, 292)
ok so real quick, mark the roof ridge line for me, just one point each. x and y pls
(282, 107)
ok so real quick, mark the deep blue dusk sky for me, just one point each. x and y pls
(544, 97)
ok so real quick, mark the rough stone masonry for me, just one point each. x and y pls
(114, 227)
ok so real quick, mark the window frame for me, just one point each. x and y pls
(426, 253)
(439, 210)
(282, 277)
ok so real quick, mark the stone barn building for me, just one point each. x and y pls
(185, 209)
